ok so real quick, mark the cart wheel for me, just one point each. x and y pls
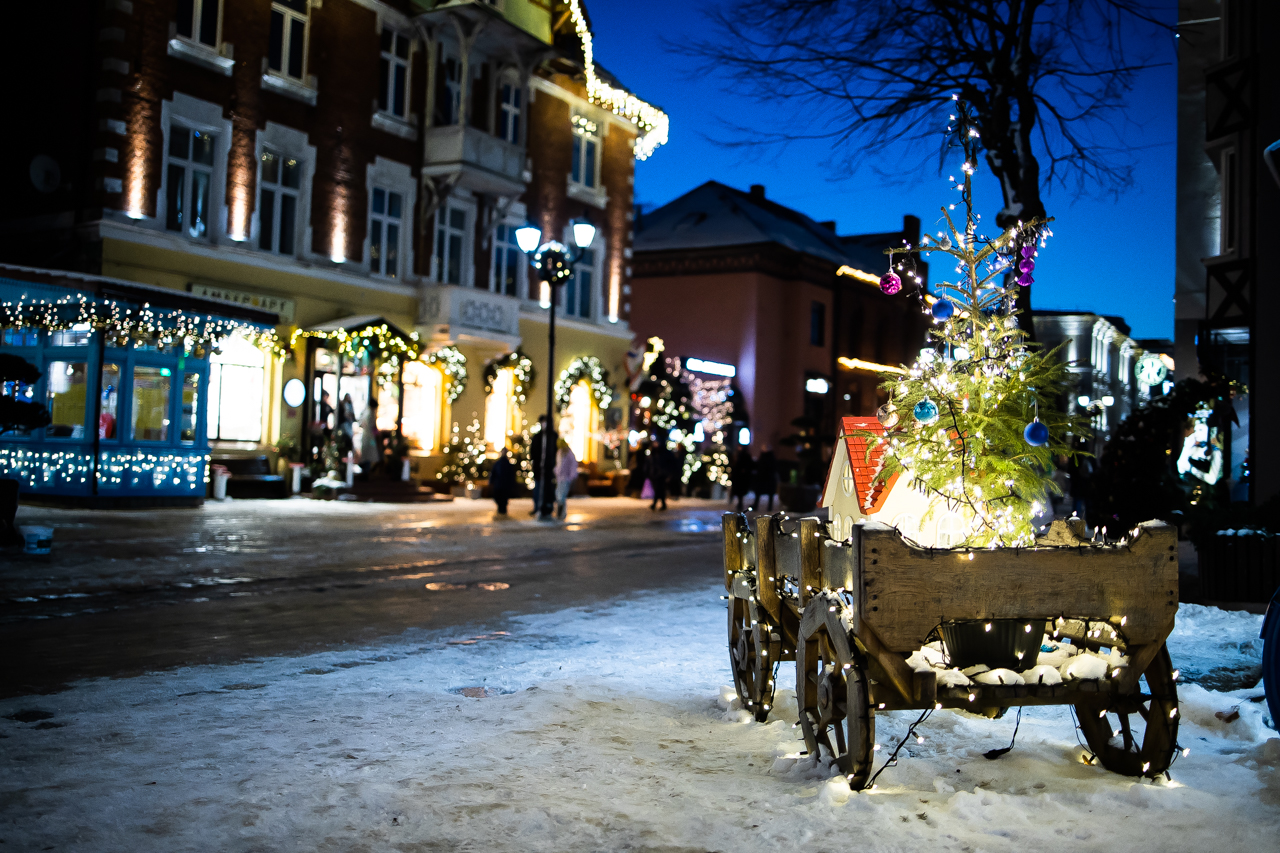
(835, 706)
(1136, 735)
(754, 650)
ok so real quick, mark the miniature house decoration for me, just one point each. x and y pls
(851, 493)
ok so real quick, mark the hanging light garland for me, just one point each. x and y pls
(523, 372)
(589, 368)
(125, 323)
(380, 339)
(454, 364)
(653, 122)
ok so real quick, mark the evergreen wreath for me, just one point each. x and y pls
(589, 368)
(524, 373)
(454, 365)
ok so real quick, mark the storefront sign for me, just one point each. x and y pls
(275, 304)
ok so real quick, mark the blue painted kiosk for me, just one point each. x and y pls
(125, 374)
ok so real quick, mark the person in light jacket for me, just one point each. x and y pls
(566, 476)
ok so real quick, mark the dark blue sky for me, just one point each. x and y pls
(1112, 256)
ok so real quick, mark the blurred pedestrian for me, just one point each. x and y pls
(766, 481)
(566, 476)
(542, 455)
(741, 474)
(502, 481)
(661, 462)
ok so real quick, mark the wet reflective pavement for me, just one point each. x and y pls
(134, 591)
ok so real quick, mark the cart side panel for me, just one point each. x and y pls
(734, 526)
(907, 591)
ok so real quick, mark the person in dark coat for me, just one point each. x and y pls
(660, 464)
(766, 482)
(542, 456)
(502, 480)
(740, 475)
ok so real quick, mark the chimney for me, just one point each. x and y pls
(757, 192)
(829, 224)
(911, 229)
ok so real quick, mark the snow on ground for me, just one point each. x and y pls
(599, 728)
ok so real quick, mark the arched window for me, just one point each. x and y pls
(951, 530)
(578, 424)
(907, 525)
(500, 409)
(236, 381)
(423, 405)
(846, 478)
(835, 527)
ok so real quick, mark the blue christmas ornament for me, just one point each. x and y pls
(926, 412)
(1036, 434)
(943, 309)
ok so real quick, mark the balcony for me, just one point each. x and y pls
(484, 163)
(453, 313)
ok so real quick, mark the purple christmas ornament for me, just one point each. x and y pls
(1025, 279)
(890, 283)
(1028, 251)
(1027, 265)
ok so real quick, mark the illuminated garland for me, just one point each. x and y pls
(454, 365)
(40, 469)
(465, 458)
(652, 121)
(379, 339)
(521, 364)
(589, 368)
(124, 324)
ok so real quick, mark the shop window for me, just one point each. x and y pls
(423, 405)
(388, 406)
(577, 425)
(386, 209)
(67, 384)
(189, 181)
(236, 380)
(198, 20)
(281, 179)
(190, 407)
(287, 43)
(110, 409)
(586, 148)
(393, 73)
(76, 336)
(508, 261)
(500, 409)
(509, 113)
(579, 291)
(451, 238)
(151, 403)
(12, 337)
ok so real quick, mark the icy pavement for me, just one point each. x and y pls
(597, 728)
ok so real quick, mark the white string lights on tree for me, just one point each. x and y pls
(653, 122)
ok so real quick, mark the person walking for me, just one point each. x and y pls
(370, 441)
(542, 455)
(566, 476)
(766, 483)
(658, 469)
(502, 481)
(740, 476)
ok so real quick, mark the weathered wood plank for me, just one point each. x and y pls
(901, 677)
(810, 542)
(767, 569)
(731, 524)
(907, 590)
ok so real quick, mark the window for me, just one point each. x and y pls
(448, 90)
(951, 531)
(235, 391)
(577, 424)
(384, 232)
(287, 48)
(508, 261)
(198, 20)
(151, 403)
(423, 405)
(110, 409)
(580, 289)
(846, 479)
(67, 386)
(818, 324)
(189, 181)
(451, 232)
(500, 409)
(278, 202)
(586, 146)
(393, 73)
(190, 407)
(509, 113)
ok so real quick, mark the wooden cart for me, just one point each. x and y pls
(850, 613)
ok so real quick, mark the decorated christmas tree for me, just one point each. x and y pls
(974, 422)
(465, 457)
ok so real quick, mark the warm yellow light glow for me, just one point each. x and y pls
(544, 295)
(239, 230)
(338, 244)
(859, 364)
(498, 409)
(615, 288)
(577, 426)
(859, 275)
(423, 405)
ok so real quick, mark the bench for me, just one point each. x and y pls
(251, 477)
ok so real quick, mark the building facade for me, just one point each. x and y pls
(1228, 173)
(359, 168)
(793, 308)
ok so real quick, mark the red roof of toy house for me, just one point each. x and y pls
(871, 495)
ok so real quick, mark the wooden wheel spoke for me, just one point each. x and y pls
(1125, 749)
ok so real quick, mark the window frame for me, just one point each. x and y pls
(586, 136)
(290, 14)
(190, 167)
(297, 193)
(440, 256)
(198, 8)
(508, 112)
(504, 247)
(384, 220)
(390, 60)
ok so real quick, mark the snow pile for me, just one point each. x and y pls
(602, 728)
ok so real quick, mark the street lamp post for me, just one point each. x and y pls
(554, 262)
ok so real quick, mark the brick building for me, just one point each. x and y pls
(356, 166)
(734, 278)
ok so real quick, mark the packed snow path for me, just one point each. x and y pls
(603, 728)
